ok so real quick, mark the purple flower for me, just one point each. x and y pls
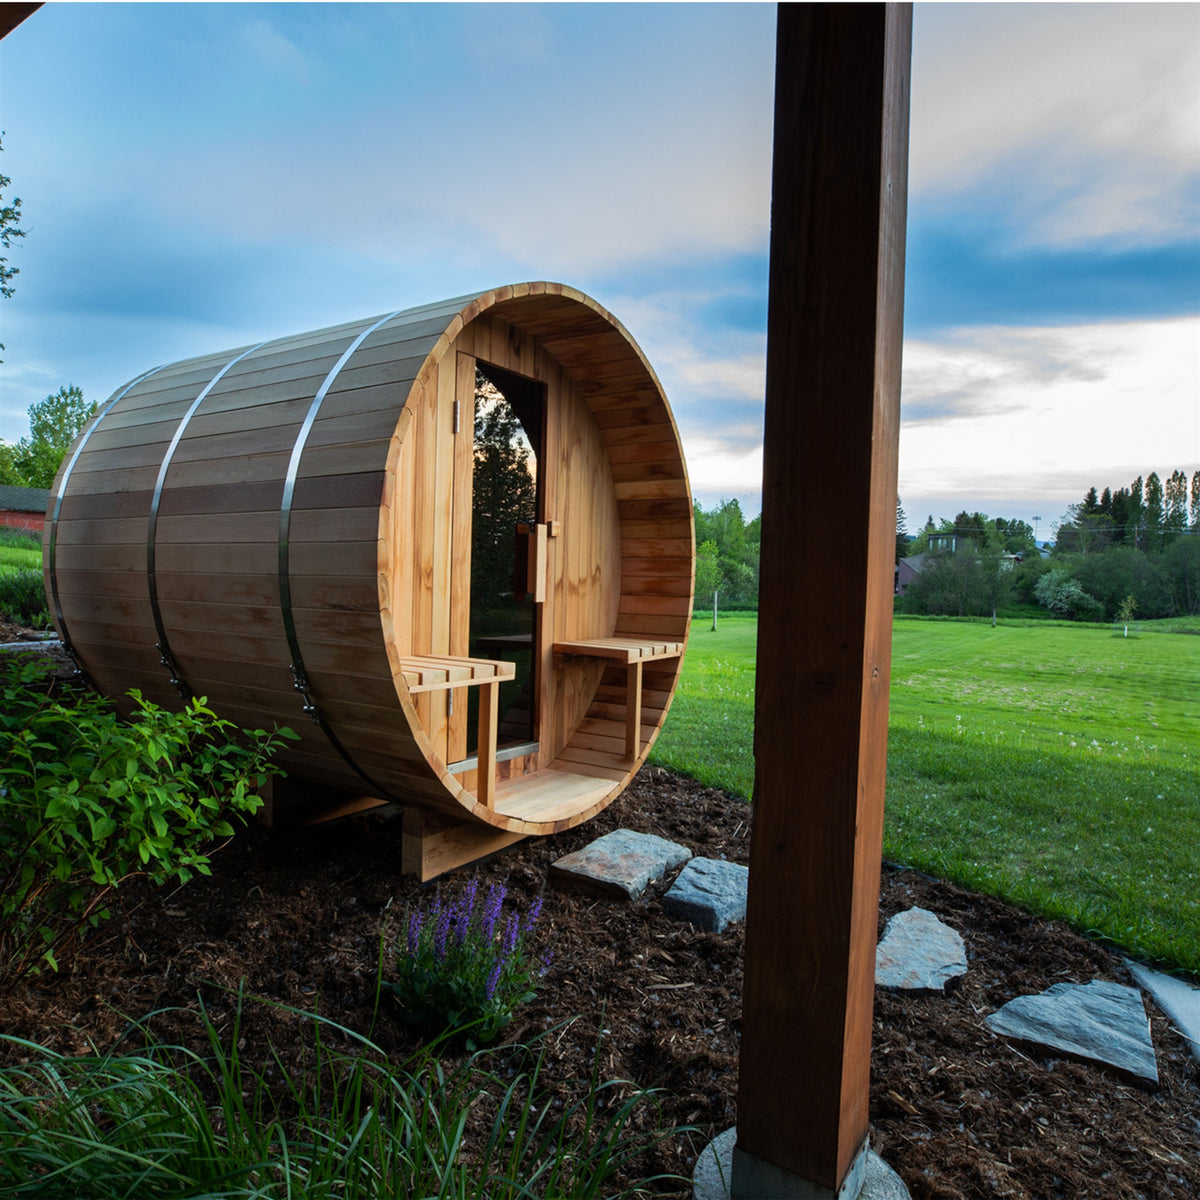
(512, 931)
(415, 921)
(440, 934)
(491, 914)
(535, 911)
(493, 979)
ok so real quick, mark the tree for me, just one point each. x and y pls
(1058, 592)
(708, 575)
(1082, 531)
(1153, 514)
(1196, 500)
(902, 538)
(1175, 514)
(54, 423)
(10, 229)
(504, 496)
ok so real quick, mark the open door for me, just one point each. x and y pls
(504, 570)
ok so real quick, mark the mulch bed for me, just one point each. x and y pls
(295, 916)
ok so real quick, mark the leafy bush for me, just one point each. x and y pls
(357, 1127)
(88, 801)
(1061, 594)
(465, 967)
(20, 539)
(23, 598)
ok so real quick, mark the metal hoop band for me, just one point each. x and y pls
(52, 548)
(163, 645)
(299, 676)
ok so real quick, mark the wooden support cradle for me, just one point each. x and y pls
(633, 652)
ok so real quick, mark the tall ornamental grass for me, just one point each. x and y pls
(165, 1123)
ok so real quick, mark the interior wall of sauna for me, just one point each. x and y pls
(430, 523)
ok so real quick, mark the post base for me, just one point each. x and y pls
(869, 1178)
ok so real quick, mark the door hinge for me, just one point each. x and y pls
(456, 411)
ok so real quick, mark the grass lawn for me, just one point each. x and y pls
(1051, 764)
(12, 558)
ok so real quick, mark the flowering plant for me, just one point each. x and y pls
(465, 966)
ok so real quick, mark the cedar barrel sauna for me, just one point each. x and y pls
(451, 547)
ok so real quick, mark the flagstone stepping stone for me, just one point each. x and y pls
(710, 893)
(1102, 1021)
(620, 864)
(919, 953)
(1179, 1000)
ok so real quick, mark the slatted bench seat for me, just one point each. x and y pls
(436, 673)
(633, 653)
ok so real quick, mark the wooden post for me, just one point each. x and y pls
(824, 641)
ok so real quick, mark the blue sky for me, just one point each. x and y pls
(200, 176)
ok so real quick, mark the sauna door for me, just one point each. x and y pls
(506, 417)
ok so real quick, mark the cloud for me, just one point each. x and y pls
(1012, 413)
(271, 49)
(1082, 117)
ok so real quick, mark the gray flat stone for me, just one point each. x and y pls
(1102, 1021)
(919, 953)
(619, 864)
(1179, 1000)
(714, 1169)
(710, 893)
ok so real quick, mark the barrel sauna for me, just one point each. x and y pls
(450, 546)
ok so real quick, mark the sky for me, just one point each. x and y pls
(196, 177)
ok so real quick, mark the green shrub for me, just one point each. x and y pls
(466, 968)
(23, 598)
(20, 539)
(88, 801)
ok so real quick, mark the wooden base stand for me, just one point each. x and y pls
(434, 844)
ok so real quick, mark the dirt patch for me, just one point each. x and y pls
(297, 915)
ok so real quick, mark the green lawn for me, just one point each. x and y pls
(1051, 764)
(12, 558)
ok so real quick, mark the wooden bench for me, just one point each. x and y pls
(633, 653)
(437, 673)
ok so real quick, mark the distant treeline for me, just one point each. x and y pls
(1119, 554)
(726, 556)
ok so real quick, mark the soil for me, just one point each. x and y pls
(295, 916)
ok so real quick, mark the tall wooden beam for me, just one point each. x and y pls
(825, 597)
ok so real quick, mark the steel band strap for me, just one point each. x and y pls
(163, 645)
(52, 548)
(299, 676)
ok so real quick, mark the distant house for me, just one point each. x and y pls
(907, 569)
(24, 508)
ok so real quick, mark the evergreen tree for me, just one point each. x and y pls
(1091, 505)
(1153, 516)
(1175, 515)
(902, 538)
(1135, 532)
(1106, 502)
(1196, 500)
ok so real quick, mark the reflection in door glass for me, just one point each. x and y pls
(504, 497)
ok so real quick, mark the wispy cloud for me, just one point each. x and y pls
(1082, 117)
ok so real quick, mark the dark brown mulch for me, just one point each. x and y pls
(957, 1111)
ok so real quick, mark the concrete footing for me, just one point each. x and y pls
(870, 1178)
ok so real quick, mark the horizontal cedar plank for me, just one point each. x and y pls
(246, 468)
(661, 567)
(658, 468)
(570, 760)
(112, 436)
(109, 504)
(635, 624)
(646, 585)
(658, 444)
(141, 453)
(661, 528)
(631, 435)
(678, 507)
(261, 496)
(664, 605)
(642, 417)
(613, 746)
(643, 547)
(645, 488)
(573, 752)
(607, 398)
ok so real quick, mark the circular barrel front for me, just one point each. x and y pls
(451, 547)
